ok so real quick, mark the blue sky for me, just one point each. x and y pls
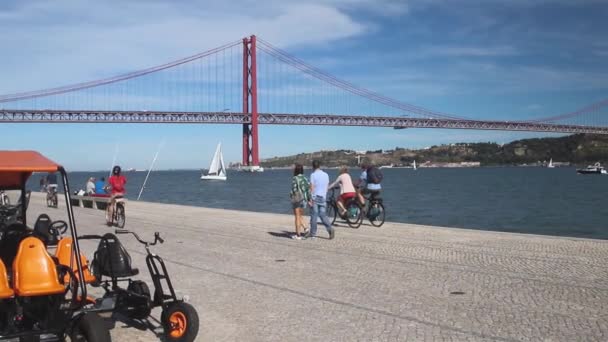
(505, 60)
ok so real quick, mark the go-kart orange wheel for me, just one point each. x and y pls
(180, 322)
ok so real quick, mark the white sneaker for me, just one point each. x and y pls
(296, 237)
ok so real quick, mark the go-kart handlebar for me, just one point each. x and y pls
(157, 237)
(89, 237)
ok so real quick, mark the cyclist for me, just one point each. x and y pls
(51, 182)
(117, 190)
(369, 182)
(347, 189)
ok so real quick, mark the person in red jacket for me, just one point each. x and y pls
(117, 190)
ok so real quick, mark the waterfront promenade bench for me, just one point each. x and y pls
(95, 202)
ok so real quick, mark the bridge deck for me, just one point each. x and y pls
(395, 283)
(88, 116)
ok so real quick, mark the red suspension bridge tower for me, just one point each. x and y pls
(251, 159)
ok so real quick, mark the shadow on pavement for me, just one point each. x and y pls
(283, 234)
(151, 323)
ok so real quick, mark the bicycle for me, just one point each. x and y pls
(8, 215)
(4, 200)
(374, 209)
(118, 218)
(51, 197)
(352, 215)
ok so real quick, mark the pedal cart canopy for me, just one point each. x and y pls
(17, 166)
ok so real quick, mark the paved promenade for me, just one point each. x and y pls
(401, 282)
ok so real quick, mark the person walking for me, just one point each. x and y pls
(300, 195)
(319, 180)
(43, 184)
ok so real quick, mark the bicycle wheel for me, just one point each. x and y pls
(377, 220)
(120, 215)
(49, 201)
(354, 214)
(332, 212)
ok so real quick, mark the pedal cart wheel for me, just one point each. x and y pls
(140, 288)
(180, 322)
(90, 328)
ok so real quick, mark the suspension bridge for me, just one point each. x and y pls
(251, 82)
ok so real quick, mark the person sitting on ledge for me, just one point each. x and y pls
(100, 186)
(90, 186)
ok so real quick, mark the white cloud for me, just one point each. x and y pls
(467, 51)
(59, 42)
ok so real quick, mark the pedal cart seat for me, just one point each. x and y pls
(112, 259)
(64, 253)
(5, 290)
(34, 271)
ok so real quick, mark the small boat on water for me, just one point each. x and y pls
(386, 166)
(217, 169)
(252, 169)
(597, 168)
(550, 165)
(414, 165)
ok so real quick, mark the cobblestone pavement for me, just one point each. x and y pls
(401, 282)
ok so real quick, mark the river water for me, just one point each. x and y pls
(527, 200)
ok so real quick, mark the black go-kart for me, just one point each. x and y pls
(111, 267)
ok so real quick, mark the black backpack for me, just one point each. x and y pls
(374, 175)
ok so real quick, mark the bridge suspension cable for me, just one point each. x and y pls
(110, 80)
(347, 86)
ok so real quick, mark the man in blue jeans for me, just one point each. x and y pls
(319, 180)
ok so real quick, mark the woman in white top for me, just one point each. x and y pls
(90, 187)
(347, 190)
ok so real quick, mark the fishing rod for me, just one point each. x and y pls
(150, 168)
(113, 159)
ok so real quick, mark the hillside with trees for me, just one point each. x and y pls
(579, 149)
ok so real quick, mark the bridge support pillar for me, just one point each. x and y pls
(251, 159)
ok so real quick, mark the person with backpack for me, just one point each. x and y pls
(299, 195)
(369, 181)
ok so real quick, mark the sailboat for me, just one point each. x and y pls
(414, 165)
(551, 164)
(217, 170)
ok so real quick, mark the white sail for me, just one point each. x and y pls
(215, 162)
(414, 165)
(551, 164)
(217, 169)
(222, 168)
